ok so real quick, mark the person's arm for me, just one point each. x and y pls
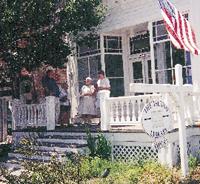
(106, 85)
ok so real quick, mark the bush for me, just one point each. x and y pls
(4, 150)
(99, 146)
(193, 162)
(87, 170)
(153, 172)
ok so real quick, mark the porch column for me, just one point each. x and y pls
(72, 80)
(153, 72)
(194, 17)
(51, 112)
(126, 65)
(102, 52)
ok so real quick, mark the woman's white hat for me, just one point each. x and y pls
(88, 78)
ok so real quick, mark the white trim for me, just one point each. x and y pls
(153, 67)
(102, 52)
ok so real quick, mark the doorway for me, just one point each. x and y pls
(141, 68)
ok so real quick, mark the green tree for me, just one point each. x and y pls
(34, 32)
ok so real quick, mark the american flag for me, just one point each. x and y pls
(178, 27)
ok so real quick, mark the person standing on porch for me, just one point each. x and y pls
(103, 89)
(87, 99)
(65, 106)
(49, 83)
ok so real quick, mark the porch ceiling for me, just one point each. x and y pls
(124, 14)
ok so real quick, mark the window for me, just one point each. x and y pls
(88, 66)
(139, 44)
(113, 44)
(92, 48)
(89, 63)
(159, 31)
(167, 56)
(114, 71)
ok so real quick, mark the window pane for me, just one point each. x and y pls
(178, 56)
(83, 69)
(114, 66)
(139, 44)
(162, 56)
(137, 72)
(91, 48)
(117, 87)
(95, 66)
(163, 63)
(113, 44)
(187, 75)
(159, 31)
(164, 77)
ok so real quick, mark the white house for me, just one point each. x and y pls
(133, 47)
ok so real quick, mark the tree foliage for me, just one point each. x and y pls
(34, 32)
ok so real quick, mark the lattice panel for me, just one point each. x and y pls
(134, 153)
(191, 149)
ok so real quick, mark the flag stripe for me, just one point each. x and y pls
(178, 28)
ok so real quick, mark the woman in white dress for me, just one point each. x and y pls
(103, 87)
(87, 99)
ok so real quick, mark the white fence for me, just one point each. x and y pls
(123, 111)
(126, 110)
(44, 114)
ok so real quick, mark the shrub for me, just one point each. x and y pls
(4, 150)
(99, 146)
(155, 173)
(103, 147)
(193, 162)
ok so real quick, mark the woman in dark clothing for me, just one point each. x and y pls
(49, 84)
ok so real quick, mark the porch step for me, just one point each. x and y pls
(60, 150)
(11, 165)
(63, 141)
(20, 157)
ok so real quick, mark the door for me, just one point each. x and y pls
(141, 69)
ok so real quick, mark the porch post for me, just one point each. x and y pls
(153, 72)
(51, 112)
(194, 18)
(104, 111)
(125, 54)
(181, 123)
(102, 49)
(72, 80)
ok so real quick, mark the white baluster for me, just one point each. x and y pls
(124, 111)
(112, 119)
(39, 114)
(134, 110)
(120, 111)
(23, 114)
(29, 115)
(117, 113)
(35, 115)
(128, 118)
(32, 115)
(44, 114)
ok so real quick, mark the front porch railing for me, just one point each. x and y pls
(44, 114)
(121, 111)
